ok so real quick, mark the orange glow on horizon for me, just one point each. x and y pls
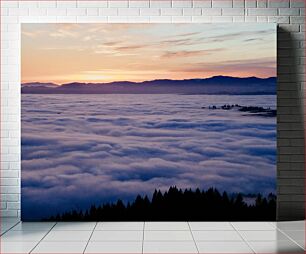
(103, 53)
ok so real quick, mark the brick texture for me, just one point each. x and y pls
(289, 14)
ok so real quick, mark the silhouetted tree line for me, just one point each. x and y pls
(261, 111)
(176, 205)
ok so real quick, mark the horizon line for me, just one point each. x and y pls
(139, 82)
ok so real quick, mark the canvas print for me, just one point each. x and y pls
(148, 122)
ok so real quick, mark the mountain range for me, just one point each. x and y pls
(213, 85)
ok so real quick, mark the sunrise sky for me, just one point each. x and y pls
(63, 53)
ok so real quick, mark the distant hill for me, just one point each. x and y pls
(213, 85)
(39, 84)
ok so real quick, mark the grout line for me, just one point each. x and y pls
(42, 238)
(290, 238)
(193, 237)
(90, 237)
(122, 230)
(143, 232)
(273, 225)
(247, 243)
(171, 230)
(14, 225)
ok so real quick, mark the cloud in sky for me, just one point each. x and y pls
(189, 53)
(130, 47)
(234, 67)
(82, 149)
(259, 34)
(60, 53)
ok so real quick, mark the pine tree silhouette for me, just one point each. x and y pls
(176, 205)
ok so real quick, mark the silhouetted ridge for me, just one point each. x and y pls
(39, 84)
(213, 85)
(178, 205)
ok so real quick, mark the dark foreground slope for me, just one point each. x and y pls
(179, 205)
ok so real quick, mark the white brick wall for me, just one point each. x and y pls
(290, 14)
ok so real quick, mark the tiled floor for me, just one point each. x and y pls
(152, 237)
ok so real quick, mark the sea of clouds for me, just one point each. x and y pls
(78, 150)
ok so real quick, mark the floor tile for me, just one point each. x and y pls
(224, 247)
(99, 236)
(169, 247)
(291, 225)
(216, 236)
(297, 236)
(60, 247)
(276, 247)
(69, 236)
(3, 230)
(119, 226)
(5, 226)
(167, 235)
(301, 243)
(33, 226)
(253, 225)
(17, 247)
(273, 235)
(166, 226)
(22, 236)
(114, 247)
(9, 224)
(206, 225)
(63, 226)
